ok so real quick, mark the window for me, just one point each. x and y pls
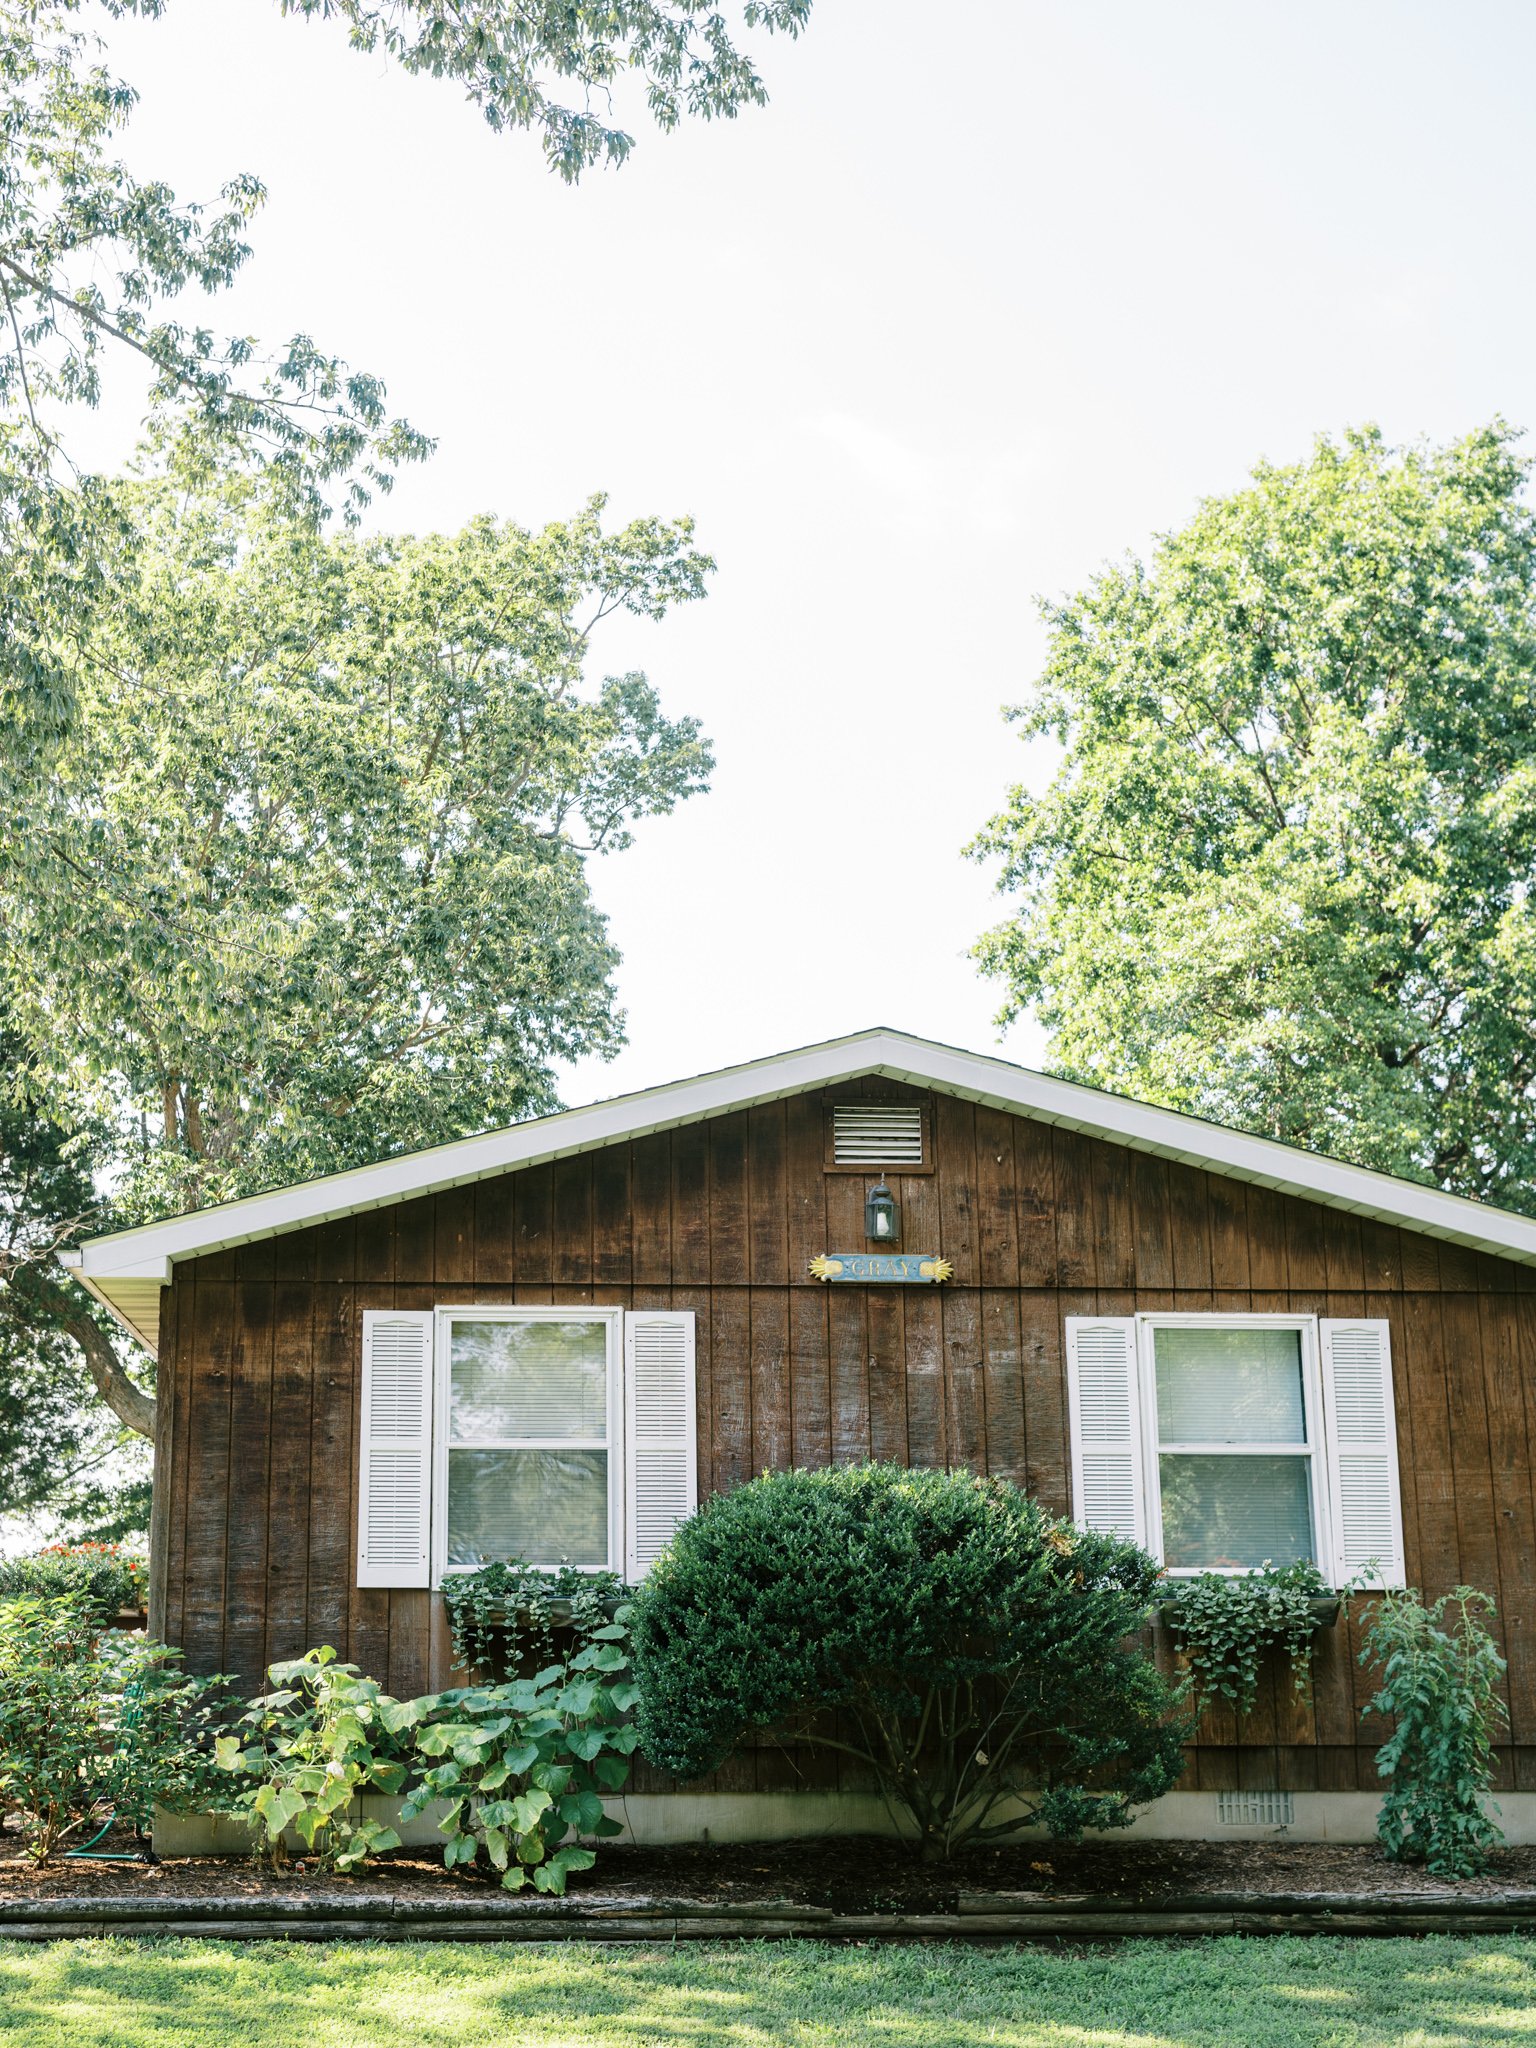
(1234, 1468)
(529, 1437)
(547, 1434)
(1223, 1442)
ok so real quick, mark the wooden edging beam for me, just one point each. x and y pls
(977, 1917)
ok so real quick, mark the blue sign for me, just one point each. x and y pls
(921, 1268)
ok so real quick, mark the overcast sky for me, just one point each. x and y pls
(986, 296)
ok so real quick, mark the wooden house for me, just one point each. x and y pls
(552, 1340)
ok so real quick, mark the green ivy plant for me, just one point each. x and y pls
(1441, 1680)
(524, 1764)
(314, 1746)
(1229, 1623)
(502, 1614)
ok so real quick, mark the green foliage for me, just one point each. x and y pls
(358, 781)
(52, 1440)
(327, 808)
(1443, 1683)
(520, 1767)
(514, 60)
(974, 1648)
(95, 1722)
(314, 1746)
(109, 1579)
(524, 1765)
(1282, 877)
(1229, 1622)
(502, 1614)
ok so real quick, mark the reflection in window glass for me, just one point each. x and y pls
(540, 1380)
(528, 1463)
(1224, 1512)
(1231, 1386)
(545, 1507)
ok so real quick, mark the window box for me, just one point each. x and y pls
(1325, 1612)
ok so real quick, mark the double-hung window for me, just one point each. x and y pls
(1222, 1443)
(530, 1407)
(550, 1435)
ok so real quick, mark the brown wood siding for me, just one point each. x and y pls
(256, 1493)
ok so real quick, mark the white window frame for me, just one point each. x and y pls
(1315, 1450)
(442, 1366)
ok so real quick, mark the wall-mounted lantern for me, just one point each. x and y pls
(882, 1218)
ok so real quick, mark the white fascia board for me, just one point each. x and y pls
(977, 1077)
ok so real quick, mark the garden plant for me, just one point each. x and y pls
(507, 1611)
(973, 1648)
(97, 1724)
(110, 1578)
(314, 1745)
(1441, 1678)
(1229, 1622)
(522, 1766)
(516, 1771)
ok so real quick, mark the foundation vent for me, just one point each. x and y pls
(1255, 1809)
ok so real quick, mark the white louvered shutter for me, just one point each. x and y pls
(1360, 1433)
(1108, 1476)
(394, 1486)
(660, 1456)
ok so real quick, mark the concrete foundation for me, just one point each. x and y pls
(786, 1816)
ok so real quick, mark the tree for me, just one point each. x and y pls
(201, 1079)
(514, 61)
(328, 802)
(1282, 875)
(49, 1433)
(964, 1647)
(95, 263)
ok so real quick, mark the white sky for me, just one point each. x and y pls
(987, 295)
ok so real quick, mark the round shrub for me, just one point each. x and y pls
(976, 1649)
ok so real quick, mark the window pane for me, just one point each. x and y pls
(1230, 1386)
(529, 1379)
(547, 1507)
(1234, 1511)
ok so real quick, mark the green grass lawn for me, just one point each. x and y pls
(1239, 1994)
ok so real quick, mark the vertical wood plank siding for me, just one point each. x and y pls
(256, 1491)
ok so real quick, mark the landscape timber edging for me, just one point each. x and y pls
(979, 1916)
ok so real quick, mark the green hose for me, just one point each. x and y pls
(132, 1693)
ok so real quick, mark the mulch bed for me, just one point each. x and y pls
(846, 1874)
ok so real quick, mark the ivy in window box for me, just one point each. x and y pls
(1229, 1623)
(503, 1613)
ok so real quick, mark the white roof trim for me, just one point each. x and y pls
(125, 1262)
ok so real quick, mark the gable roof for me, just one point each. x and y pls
(127, 1270)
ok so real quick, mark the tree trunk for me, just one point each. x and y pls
(129, 1403)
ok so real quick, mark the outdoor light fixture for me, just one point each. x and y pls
(882, 1218)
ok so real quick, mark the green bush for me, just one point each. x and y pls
(95, 1723)
(974, 1647)
(113, 1580)
(1442, 1683)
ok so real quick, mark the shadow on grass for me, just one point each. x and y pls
(1263, 1993)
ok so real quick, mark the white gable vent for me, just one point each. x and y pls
(1255, 1809)
(877, 1134)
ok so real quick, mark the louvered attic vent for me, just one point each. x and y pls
(875, 1134)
